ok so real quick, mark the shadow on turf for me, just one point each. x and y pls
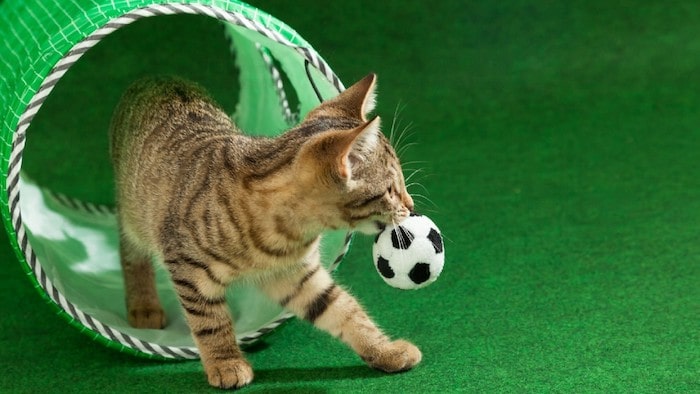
(285, 390)
(191, 378)
(291, 375)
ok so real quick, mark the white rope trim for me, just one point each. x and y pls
(18, 143)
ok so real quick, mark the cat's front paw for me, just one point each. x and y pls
(231, 373)
(394, 356)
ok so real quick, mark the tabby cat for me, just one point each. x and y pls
(216, 206)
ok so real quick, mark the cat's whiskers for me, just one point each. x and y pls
(403, 135)
(397, 138)
(404, 148)
(412, 174)
(408, 163)
(417, 184)
(397, 111)
(424, 198)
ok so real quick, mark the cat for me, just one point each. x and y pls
(215, 206)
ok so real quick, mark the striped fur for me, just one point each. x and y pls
(217, 206)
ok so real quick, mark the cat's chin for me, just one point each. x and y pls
(370, 228)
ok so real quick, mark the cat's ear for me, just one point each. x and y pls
(361, 143)
(358, 100)
(338, 153)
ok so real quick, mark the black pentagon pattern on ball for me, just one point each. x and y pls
(402, 241)
(420, 273)
(436, 239)
(384, 268)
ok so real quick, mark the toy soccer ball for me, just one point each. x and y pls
(410, 255)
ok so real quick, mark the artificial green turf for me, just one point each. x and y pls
(560, 148)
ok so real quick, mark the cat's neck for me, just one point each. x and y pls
(265, 177)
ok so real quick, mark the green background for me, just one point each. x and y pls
(559, 145)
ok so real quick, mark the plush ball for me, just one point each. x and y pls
(410, 255)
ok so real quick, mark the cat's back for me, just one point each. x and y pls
(162, 110)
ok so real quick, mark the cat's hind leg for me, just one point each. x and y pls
(142, 303)
(310, 293)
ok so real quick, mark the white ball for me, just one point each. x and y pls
(410, 255)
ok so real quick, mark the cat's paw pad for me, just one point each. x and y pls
(226, 374)
(147, 317)
(395, 356)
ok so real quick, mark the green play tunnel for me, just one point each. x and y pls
(57, 194)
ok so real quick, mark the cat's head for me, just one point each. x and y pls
(358, 177)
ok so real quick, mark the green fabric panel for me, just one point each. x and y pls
(295, 72)
(257, 89)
